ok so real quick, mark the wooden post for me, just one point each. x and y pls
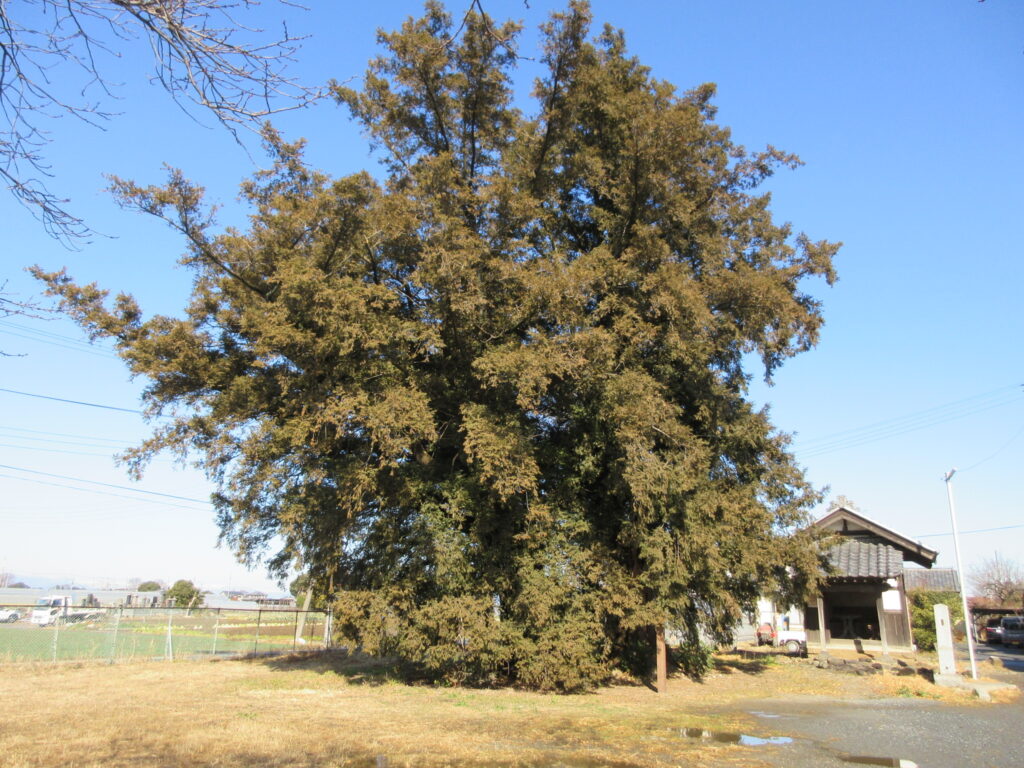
(662, 658)
(882, 634)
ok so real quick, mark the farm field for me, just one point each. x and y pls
(30, 643)
(329, 710)
(115, 636)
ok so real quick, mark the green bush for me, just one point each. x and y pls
(458, 640)
(185, 594)
(569, 655)
(922, 614)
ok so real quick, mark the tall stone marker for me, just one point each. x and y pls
(944, 645)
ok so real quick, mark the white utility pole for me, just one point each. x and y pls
(968, 624)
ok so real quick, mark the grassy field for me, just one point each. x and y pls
(141, 638)
(329, 710)
(27, 643)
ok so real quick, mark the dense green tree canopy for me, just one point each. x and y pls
(149, 586)
(496, 400)
(185, 594)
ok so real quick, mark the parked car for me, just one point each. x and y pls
(793, 640)
(54, 609)
(992, 632)
(8, 615)
(1013, 630)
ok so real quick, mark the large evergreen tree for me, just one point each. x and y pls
(497, 400)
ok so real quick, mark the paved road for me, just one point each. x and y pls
(1011, 658)
(927, 733)
(930, 734)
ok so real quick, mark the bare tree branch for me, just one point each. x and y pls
(203, 56)
(10, 306)
(999, 579)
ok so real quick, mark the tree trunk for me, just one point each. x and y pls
(661, 658)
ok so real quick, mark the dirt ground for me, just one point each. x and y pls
(330, 710)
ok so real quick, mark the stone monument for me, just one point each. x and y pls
(946, 674)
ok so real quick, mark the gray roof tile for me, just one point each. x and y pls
(856, 559)
(932, 579)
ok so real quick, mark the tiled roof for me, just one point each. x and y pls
(856, 559)
(931, 579)
(845, 521)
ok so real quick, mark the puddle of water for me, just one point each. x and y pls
(742, 739)
(755, 741)
(765, 715)
(890, 761)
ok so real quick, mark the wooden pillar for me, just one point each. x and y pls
(662, 658)
(881, 625)
(907, 623)
(822, 624)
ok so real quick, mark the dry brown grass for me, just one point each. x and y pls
(329, 710)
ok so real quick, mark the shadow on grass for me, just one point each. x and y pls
(753, 664)
(361, 669)
(370, 760)
(356, 668)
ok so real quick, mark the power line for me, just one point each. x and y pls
(73, 402)
(895, 431)
(858, 436)
(62, 434)
(109, 453)
(995, 453)
(106, 485)
(53, 450)
(979, 530)
(134, 499)
(112, 445)
(916, 414)
(40, 332)
(39, 338)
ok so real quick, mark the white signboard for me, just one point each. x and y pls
(891, 600)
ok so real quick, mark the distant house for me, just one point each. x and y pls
(277, 602)
(863, 604)
(235, 594)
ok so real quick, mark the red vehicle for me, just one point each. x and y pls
(992, 632)
(793, 640)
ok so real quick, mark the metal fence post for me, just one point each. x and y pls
(295, 634)
(113, 644)
(259, 621)
(56, 632)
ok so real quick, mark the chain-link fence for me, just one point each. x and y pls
(113, 634)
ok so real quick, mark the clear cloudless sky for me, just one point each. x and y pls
(909, 118)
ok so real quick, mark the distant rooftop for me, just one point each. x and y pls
(931, 579)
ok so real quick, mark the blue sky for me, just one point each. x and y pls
(908, 117)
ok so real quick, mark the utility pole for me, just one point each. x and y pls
(968, 623)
